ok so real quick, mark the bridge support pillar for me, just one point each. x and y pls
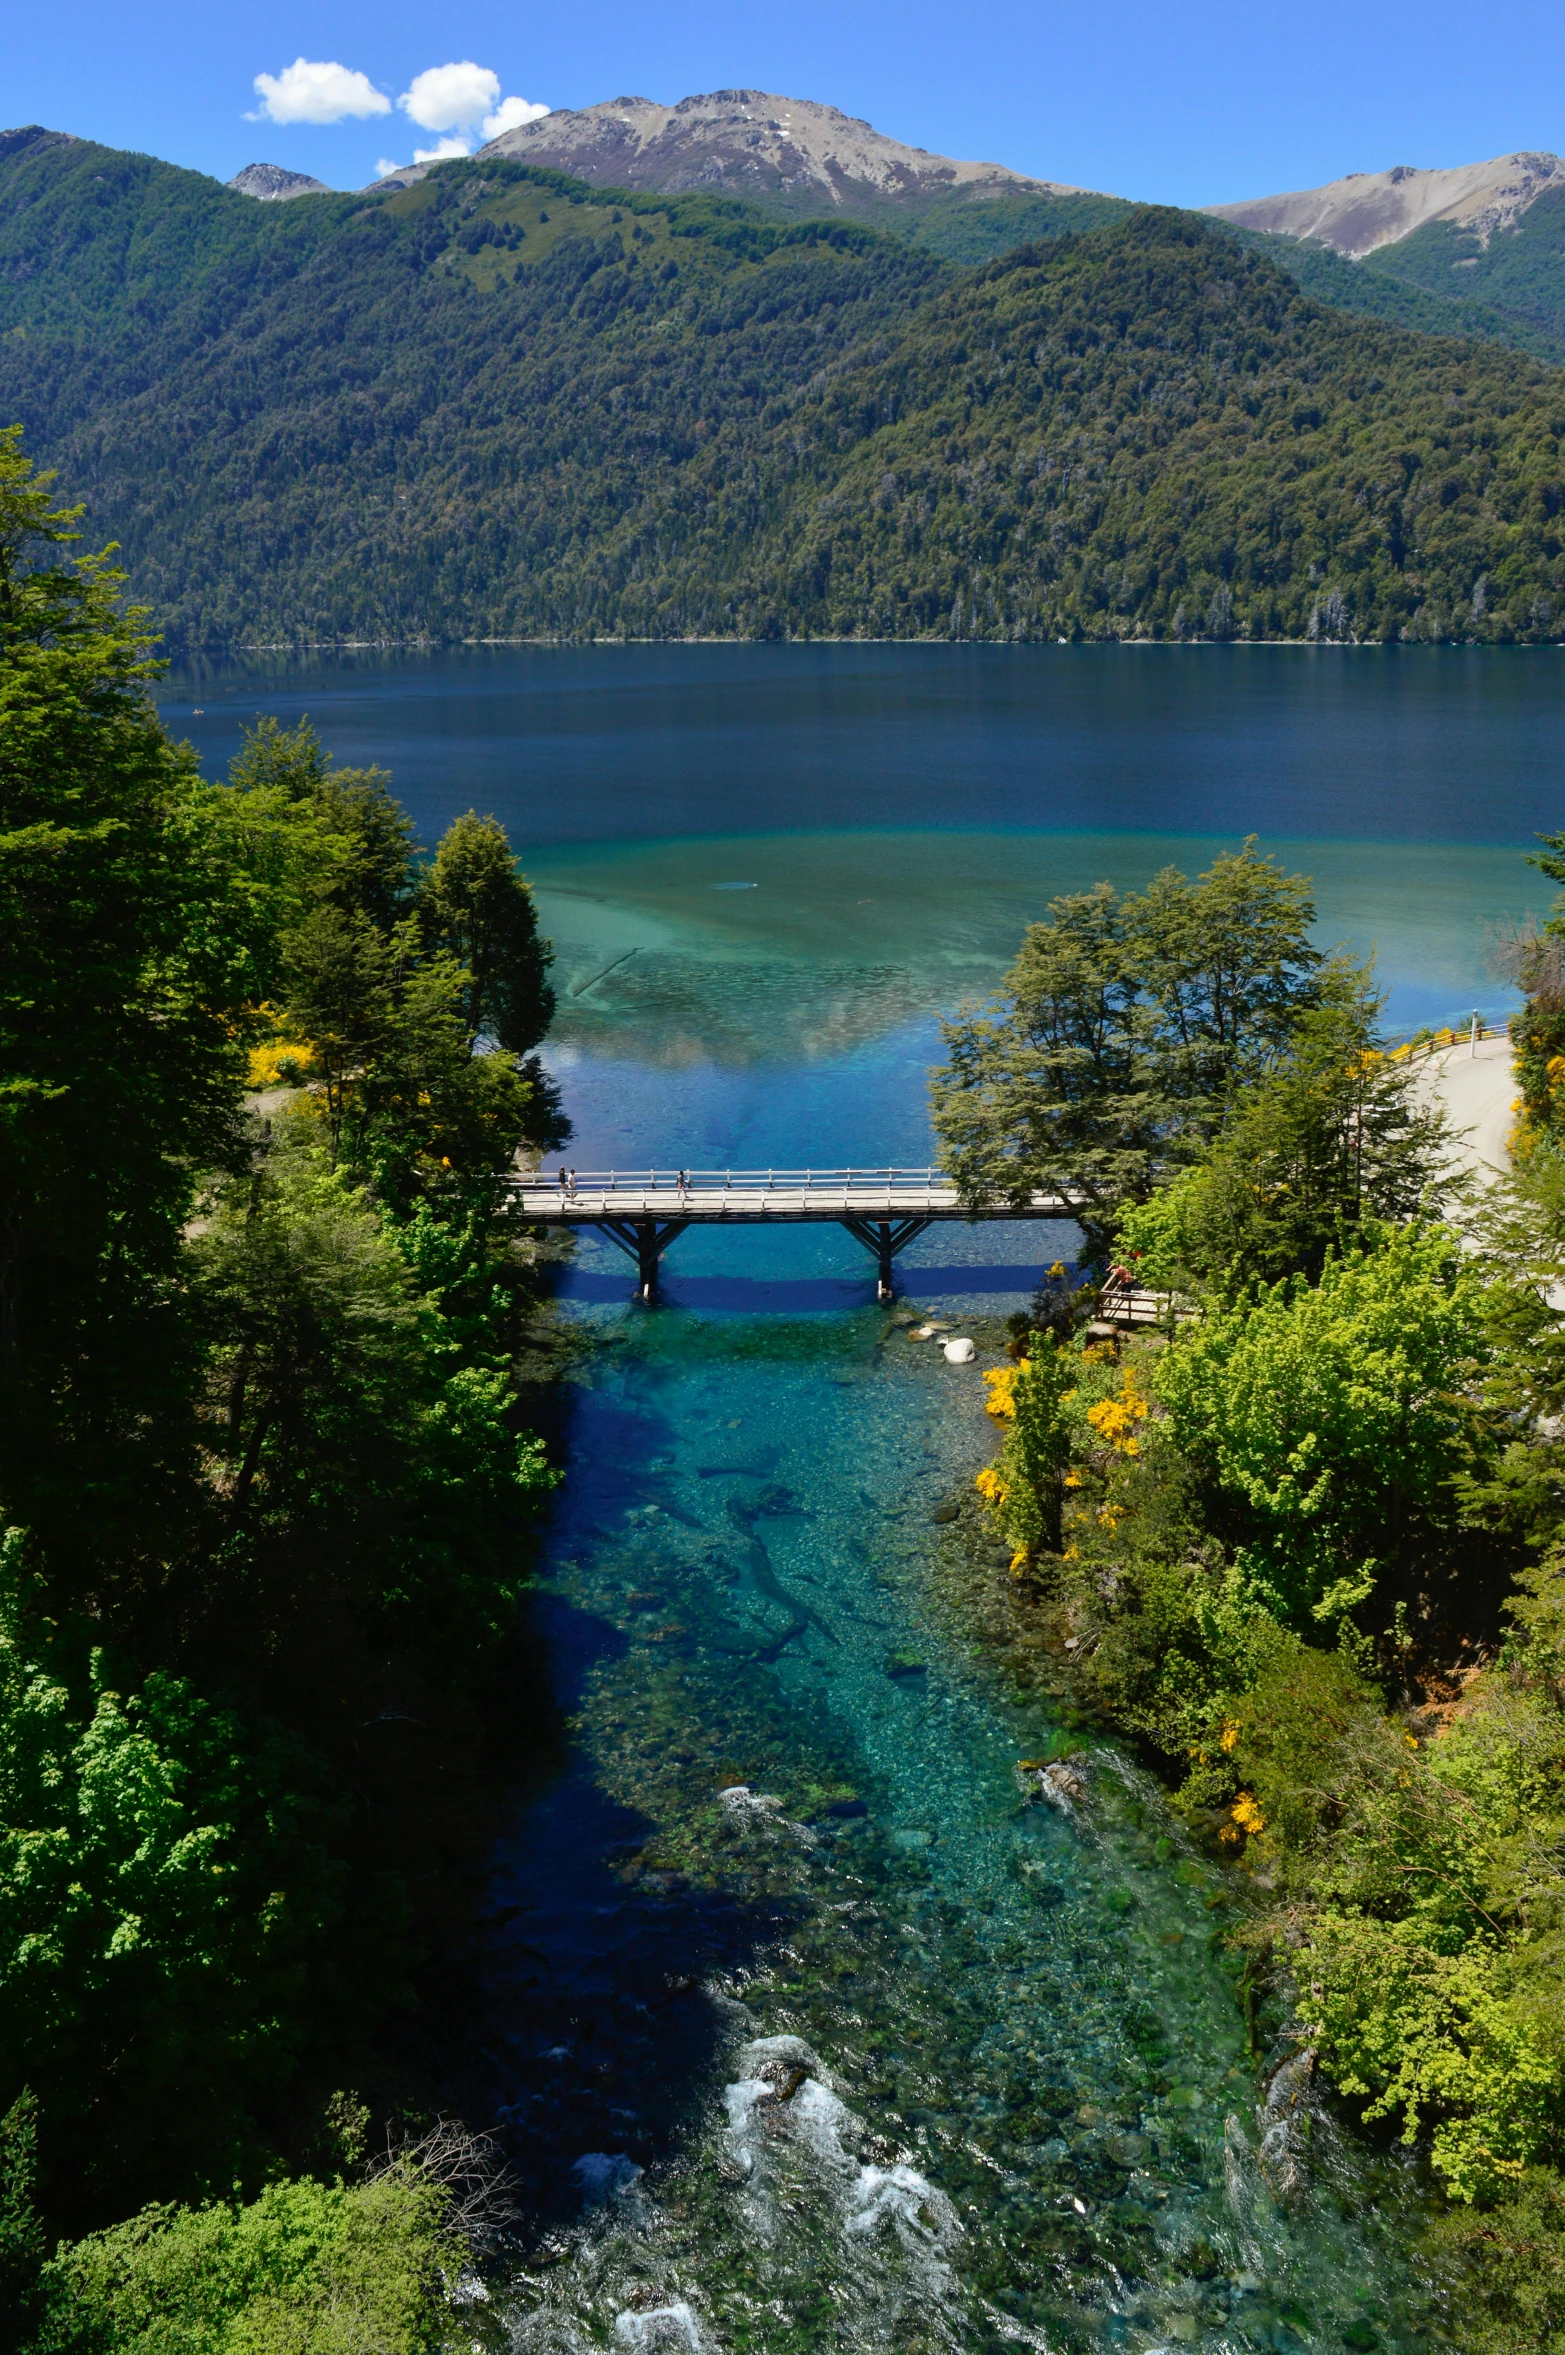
(644, 1240)
(885, 1237)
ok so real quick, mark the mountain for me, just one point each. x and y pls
(790, 155)
(1360, 214)
(799, 160)
(1479, 248)
(502, 403)
(272, 184)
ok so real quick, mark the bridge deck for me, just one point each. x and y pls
(737, 1197)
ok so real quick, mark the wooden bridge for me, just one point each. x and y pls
(643, 1210)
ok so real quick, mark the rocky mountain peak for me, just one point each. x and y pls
(791, 154)
(1366, 210)
(272, 184)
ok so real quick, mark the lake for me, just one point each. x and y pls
(788, 1846)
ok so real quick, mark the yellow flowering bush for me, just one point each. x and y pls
(1116, 1418)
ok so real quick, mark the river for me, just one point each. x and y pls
(813, 2033)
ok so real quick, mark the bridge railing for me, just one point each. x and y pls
(634, 1185)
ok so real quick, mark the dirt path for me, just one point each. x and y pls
(1478, 1089)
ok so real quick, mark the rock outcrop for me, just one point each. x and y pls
(1371, 209)
(273, 185)
(789, 154)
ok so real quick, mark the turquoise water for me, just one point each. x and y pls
(888, 2051)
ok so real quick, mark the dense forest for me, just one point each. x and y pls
(1303, 1541)
(499, 404)
(268, 1358)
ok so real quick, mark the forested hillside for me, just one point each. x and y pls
(1518, 275)
(500, 404)
(1380, 287)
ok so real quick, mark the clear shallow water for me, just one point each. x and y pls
(1025, 2110)
(1024, 2106)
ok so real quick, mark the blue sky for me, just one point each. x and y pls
(1204, 101)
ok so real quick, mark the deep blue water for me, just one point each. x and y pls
(626, 743)
(1028, 2112)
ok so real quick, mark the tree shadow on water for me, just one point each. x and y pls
(598, 2032)
(604, 2034)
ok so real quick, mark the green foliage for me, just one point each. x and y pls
(1332, 1416)
(307, 2269)
(477, 907)
(1516, 274)
(22, 2246)
(1380, 287)
(435, 414)
(261, 1455)
(964, 230)
(131, 952)
(1334, 1139)
(1505, 2263)
(1025, 1490)
(394, 984)
(1434, 1955)
(361, 1442)
(1123, 1027)
(166, 1896)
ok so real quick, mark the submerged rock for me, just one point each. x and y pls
(1285, 2125)
(761, 1811)
(1060, 1781)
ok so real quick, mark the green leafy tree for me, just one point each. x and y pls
(363, 1447)
(1334, 1138)
(1504, 2264)
(167, 1895)
(477, 906)
(22, 2244)
(1124, 1028)
(306, 2269)
(129, 958)
(368, 868)
(408, 1099)
(1334, 1416)
(1432, 1955)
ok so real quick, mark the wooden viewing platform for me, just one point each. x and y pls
(643, 1210)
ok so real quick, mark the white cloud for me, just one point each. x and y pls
(313, 91)
(456, 145)
(451, 97)
(385, 168)
(510, 115)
